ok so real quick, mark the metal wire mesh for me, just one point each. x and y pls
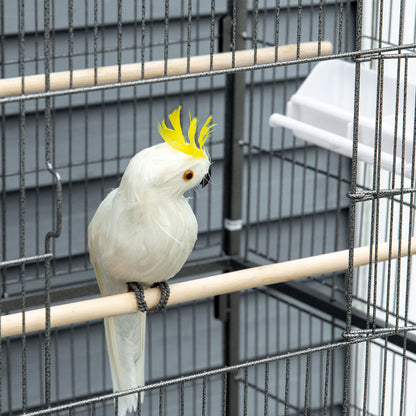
(335, 344)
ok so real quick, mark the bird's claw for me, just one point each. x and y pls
(139, 292)
(141, 303)
(164, 296)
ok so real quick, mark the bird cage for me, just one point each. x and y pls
(83, 86)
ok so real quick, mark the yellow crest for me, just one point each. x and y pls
(175, 138)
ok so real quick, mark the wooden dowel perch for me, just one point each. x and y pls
(201, 288)
(155, 69)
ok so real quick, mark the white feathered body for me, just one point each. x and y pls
(143, 231)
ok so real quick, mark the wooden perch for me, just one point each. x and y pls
(155, 69)
(201, 288)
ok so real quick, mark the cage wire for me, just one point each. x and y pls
(339, 343)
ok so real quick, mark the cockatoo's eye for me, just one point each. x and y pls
(188, 175)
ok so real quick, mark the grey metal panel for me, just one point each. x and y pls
(154, 11)
(84, 13)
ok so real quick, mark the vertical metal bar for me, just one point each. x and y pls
(135, 58)
(245, 392)
(143, 37)
(53, 130)
(116, 406)
(405, 381)
(165, 346)
(86, 141)
(210, 211)
(341, 26)
(298, 359)
(139, 404)
(224, 394)
(279, 364)
(282, 173)
(71, 69)
(182, 398)
(194, 353)
(72, 361)
(40, 365)
(95, 41)
(58, 204)
(255, 23)
(298, 30)
(47, 242)
(250, 178)
(3, 196)
(255, 13)
(103, 353)
(3, 165)
(232, 205)
(119, 61)
(56, 337)
(150, 100)
(326, 390)
(196, 51)
(287, 386)
(166, 39)
(188, 37)
(149, 355)
(374, 228)
(204, 396)
(266, 390)
(161, 397)
(119, 36)
(307, 385)
(180, 335)
(256, 341)
(276, 31)
(88, 355)
(37, 147)
(211, 36)
(321, 26)
(102, 109)
(376, 183)
(22, 199)
(351, 234)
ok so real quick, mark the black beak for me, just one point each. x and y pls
(207, 178)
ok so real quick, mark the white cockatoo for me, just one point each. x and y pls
(143, 232)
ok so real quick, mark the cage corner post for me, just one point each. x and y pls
(227, 306)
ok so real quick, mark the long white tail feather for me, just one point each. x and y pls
(126, 349)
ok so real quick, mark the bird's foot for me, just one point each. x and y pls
(141, 303)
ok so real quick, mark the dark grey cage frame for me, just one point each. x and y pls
(275, 350)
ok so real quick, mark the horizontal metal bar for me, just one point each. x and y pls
(391, 330)
(25, 260)
(382, 193)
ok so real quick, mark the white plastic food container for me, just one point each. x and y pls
(322, 111)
